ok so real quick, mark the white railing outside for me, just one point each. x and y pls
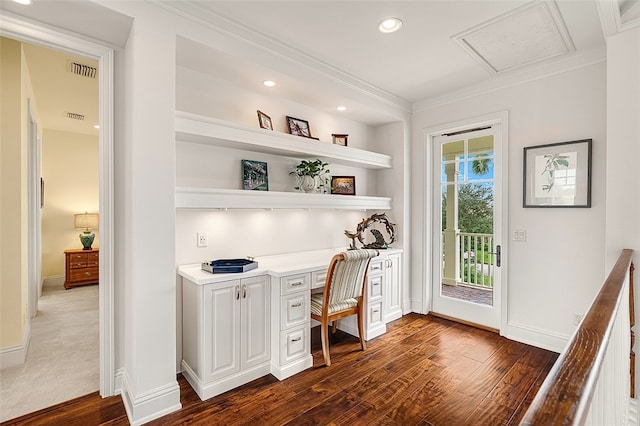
(476, 259)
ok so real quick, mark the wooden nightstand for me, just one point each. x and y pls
(82, 267)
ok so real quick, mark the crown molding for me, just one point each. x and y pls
(265, 43)
(515, 78)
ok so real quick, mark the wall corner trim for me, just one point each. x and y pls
(150, 405)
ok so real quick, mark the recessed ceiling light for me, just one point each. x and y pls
(390, 25)
(26, 2)
(342, 108)
(269, 83)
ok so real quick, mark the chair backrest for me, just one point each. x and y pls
(347, 272)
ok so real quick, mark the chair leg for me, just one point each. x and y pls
(334, 327)
(361, 327)
(324, 334)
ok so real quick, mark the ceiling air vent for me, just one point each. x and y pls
(82, 69)
(75, 116)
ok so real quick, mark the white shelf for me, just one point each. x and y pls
(206, 130)
(209, 198)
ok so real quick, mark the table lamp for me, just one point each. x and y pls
(86, 221)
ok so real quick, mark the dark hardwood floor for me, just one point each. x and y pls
(423, 371)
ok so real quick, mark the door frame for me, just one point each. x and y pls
(502, 118)
(23, 30)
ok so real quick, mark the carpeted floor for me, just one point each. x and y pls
(63, 358)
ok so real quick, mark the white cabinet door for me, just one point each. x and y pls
(222, 330)
(255, 308)
(392, 306)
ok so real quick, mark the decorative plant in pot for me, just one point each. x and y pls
(312, 176)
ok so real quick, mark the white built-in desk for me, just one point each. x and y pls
(238, 327)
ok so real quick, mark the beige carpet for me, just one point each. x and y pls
(63, 358)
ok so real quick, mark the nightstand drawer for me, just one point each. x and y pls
(78, 260)
(86, 274)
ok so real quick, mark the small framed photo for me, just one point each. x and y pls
(254, 175)
(264, 120)
(299, 127)
(558, 175)
(343, 185)
(340, 139)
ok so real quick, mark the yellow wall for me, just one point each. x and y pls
(70, 172)
(13, 195)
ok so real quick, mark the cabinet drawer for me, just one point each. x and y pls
(374, 314)
(318, 278)
(296, 310)
(376, 267)
(78, 260)
(294, 283)
(294, 344)
(374, 291)
(86, 274)
(92, 259)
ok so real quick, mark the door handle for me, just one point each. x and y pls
(498, 254)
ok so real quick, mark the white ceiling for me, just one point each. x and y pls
(421, 61)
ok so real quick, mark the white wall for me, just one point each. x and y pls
(70, 172)
(623, 151)
(558, 270)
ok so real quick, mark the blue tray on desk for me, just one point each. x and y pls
(229, 266)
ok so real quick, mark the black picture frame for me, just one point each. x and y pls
(255, 175)
(343, 185)
(299, 127)
(557, 175)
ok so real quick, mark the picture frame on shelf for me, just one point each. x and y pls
(255, 175)
(339, 139)
(343, 185)
(264, 120)
(299, 127)
(557, 175)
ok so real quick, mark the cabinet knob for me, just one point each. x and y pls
(87, 273)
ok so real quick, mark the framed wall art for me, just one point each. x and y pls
(339, 139)
(299, 127)
(343, 185)
(264, 120)
(254, 175)
(558, 175)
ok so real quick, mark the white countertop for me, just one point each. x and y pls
(277, 266)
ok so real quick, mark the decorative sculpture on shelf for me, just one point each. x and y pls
(370, 233)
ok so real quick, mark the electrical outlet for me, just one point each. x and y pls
(577, 318)
(520, 235)
(202, 239)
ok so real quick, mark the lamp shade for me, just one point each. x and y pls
(86, 221)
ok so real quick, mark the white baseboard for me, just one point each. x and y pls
(292, 368)
(538, 337)
(16, 355)
(149, 405)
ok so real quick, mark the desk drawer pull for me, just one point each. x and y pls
(297, 339)
(376, 283)
(375, 311)
(296, 284)
(296, 305)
